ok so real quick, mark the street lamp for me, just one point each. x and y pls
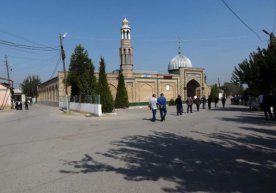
(266, 32)
(64, 68)
(271, 36)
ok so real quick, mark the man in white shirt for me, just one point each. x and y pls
(153, 107)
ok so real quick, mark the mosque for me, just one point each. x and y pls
(182, 78)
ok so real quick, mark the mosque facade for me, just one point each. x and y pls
(182, 78)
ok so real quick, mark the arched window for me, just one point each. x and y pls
(125, 56)
(129, 56)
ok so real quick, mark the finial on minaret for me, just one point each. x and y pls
(125, 30)
(179, 46)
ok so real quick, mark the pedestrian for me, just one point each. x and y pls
(209, 102)
(260, 100)
(274, 104)
(203, 100)
(223, 100)
(18, 105)
(162, 102)
(153, 107)
(189, 105)
(179, 105)
(267, 103)
(26, 105)
(197, 102)
(216, 100)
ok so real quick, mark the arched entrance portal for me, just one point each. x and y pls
(193, 88)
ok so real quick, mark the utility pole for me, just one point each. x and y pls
(63, 62)
(9, 80)
(7, 67)
(64, 69)
(218, 83)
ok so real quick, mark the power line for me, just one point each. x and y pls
(27, 47)
(20, 37)
(239, 18)
(55, 69)
(33, 52)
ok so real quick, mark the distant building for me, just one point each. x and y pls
(182, 78)
(18, 95)
(5, 96)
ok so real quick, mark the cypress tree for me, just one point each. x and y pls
(121, 100)
(81, 74)
(214, 91)
(106, 98)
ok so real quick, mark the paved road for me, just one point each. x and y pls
(227, 150)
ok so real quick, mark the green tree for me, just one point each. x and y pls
(29, 85)
(258, 72)
(214, 91)
(269, 68)
(104, 90)
(81, 74)
(250, 72)
(121, 100)
(230, 88)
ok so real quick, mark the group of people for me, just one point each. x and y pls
(160, 103)
(18, 105)
(197, 101)
(190, 101)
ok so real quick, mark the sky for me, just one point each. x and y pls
(210, 35)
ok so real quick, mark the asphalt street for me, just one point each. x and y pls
(43, 150)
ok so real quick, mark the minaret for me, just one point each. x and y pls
(126, 51)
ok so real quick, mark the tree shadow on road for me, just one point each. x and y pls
(231, 108)
(271, 132)
(250, 117)
(226, 163)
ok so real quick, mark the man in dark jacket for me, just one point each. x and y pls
(209, 102)
(179, 105)
(189, 105)
(267, 103)
(162, 103)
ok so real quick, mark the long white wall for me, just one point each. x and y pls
(95, 109)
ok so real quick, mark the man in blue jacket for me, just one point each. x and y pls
(162, 106)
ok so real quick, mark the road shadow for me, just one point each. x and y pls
(231, 108)
(146, 119)
(256, 118)
(261, 130)
(224, 164)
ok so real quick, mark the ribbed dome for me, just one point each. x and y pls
(179, 61)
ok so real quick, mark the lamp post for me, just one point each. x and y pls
(64, 68)
(271, 36)
(266, 32)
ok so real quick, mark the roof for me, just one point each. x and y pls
(179, 61)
